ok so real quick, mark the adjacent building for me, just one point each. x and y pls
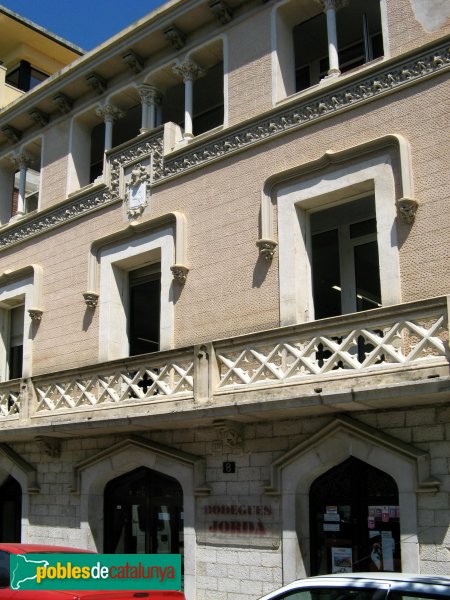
(224, 307)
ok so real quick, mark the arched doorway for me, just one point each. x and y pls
(143, 514)
(10, 510)
(354, 520)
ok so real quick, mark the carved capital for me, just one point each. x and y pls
(91, 299)
(231, 433)
(175, 36)
(48, 445)
(96, 82)
(179, 273)
(109, 112)
(134, 61)
(266, 248)
(188, 70)
(35, 314)
(63, 102)
(332, 4)
(221, 10)
(407, 208)
(11, 133)
(21, 161)
(39, 117)
(149, 94)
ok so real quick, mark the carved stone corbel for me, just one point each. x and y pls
(49, 445)
(13, 134)
(175, 36)
(63, 102)
(39, 117)
(221, 11)
(96, 82)
(407, 208)
(231, 433)
(134, 61)
(179, 273)
(266, 248)
(35, 314)
(91, 299)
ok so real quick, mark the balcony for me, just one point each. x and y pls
(383, 358)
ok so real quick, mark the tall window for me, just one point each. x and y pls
(354, 520)
(144, 309)
(143, 514)
(10, 510)
(345, 266)
(15, 358)
(31, 200)
(359, 40)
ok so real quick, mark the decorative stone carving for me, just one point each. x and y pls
(179, 273)
(221, 10)
(49, 445)
(63, 102)
(21, 161)
(266, 248)
(231, 433)
(149, 93)
(39, 117)
(137, 191)
(134, 61)
(91, 299)
(188, 70)
(96, 82)
(35, 314)
(109, 112)
(13, 134)
(175, 36)
(407, 208)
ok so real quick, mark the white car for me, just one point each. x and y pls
(365, 586)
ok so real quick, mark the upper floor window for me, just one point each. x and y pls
(323, 38)
(359, 40)
(25, 77)
(144, 309)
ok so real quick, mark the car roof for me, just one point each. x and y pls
(16, 548)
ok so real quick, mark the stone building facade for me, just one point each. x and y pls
(224, 323)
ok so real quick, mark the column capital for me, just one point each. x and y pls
(188, 70)
(109, 112)
(332, 4)
(149, 94)
(21, 160)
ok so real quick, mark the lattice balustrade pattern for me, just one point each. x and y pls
(378, 345)
(130, 383)
(9, 399)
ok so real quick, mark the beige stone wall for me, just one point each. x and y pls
(230, 290)
(240, 572)
(54, 167)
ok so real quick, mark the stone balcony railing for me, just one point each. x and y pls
(375, 349)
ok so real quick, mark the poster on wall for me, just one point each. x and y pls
(341, 560)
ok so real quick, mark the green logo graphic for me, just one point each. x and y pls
(95, 572)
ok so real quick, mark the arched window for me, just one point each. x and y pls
(143, 514)
(10, 510)
(354, 520)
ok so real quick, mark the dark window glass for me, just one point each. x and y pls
(10, 510)
(25, 77)
(326, 274)
(367, 276)
(144, 322)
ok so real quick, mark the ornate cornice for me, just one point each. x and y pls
(303, 113)
(376, 85)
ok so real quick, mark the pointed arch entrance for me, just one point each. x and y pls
(143, 514)
(10, 510)
(354, 520)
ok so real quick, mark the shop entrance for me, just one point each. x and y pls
(143, 514)
(10, 510)
(354, 520)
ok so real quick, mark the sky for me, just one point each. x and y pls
(85, 23)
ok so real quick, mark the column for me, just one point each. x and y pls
(189, 71)
(150, 99)
(330, 7)
(109, 114)
(22, 161)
